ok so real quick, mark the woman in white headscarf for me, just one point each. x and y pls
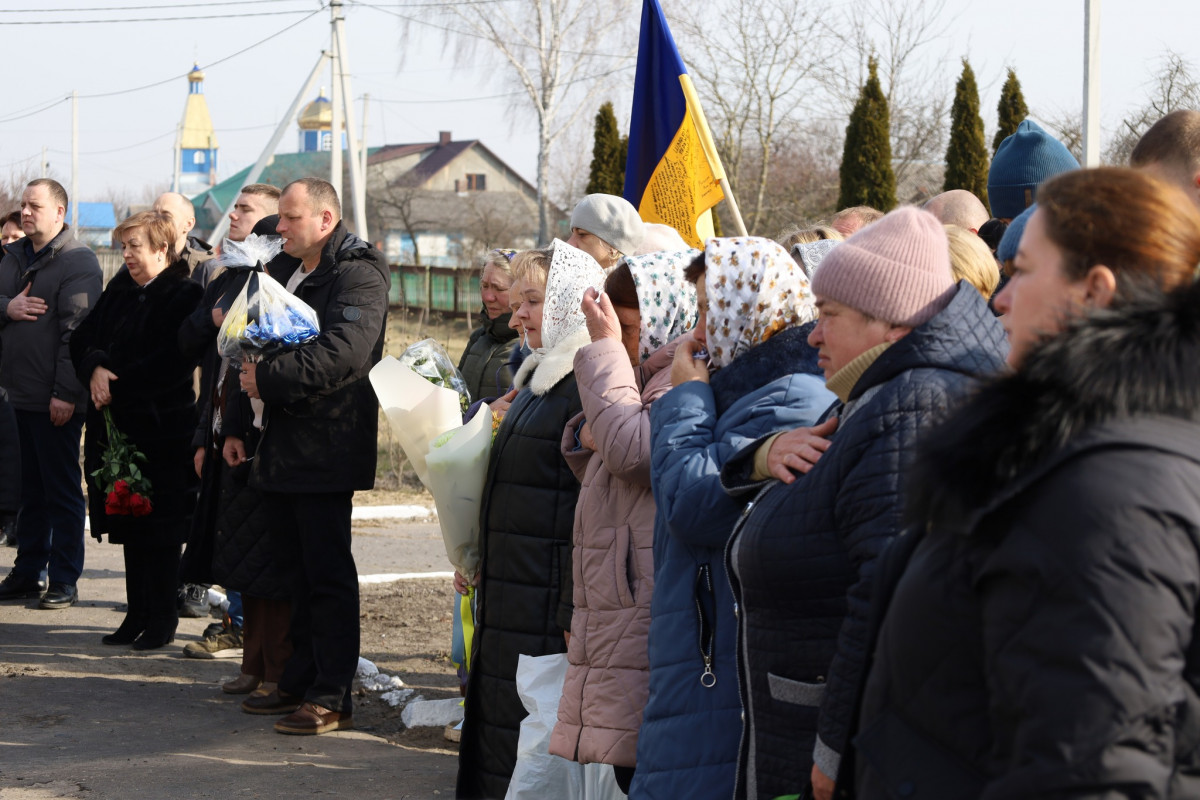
(646, 304)
(528, 507)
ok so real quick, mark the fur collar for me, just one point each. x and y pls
(1111, 367)
(543, 369)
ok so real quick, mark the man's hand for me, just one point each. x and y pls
(60, 412)
(822, 786)
(24, 308)
(198, 462)
(249, 380)
(234, 451)
(500, 405)
(99, 386)
(686, 366)
(461, 584)
(602, 321)
(799, 450)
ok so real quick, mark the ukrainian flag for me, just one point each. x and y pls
(672, 169)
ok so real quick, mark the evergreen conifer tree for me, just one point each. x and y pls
(607, 174)
(967, 156)
(1011, 110)
(866, 173)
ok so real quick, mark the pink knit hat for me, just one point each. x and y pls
(896, 269)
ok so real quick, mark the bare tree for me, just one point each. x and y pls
(554, 49)
(1067, 127)
(755, 64)
(400, 201)
(901, 34)
(1173, 86)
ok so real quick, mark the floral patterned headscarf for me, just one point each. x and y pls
(571, 272)
(666, 301)
(755, 290)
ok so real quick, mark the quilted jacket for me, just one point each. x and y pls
(687, 746)
(524, 602)
(613, 560)
(484, 362)
(804, 552)
(1043, 636)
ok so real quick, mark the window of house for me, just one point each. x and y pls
(198, 157)
(476, 183)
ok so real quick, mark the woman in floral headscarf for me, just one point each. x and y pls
(529, 500)
(758, 376)
(646, 304)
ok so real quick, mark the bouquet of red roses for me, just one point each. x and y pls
(127, 488)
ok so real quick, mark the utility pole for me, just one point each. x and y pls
(342, 74)
(45, 163)
(75, 161)
(335, 152)
(362, 142)
(178, 157)
(1091, 83)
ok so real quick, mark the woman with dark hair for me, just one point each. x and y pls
(127, 352)
(645, 305)
(747, 371)
(1037, 624)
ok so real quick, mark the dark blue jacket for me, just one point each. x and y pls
(802, 649)
(687, 746)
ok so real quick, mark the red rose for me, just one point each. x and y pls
(114, 505)
(139, 506)
(121, 489)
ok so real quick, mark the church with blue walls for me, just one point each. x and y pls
(197, 141)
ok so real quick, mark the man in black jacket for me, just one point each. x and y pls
(318, 446)
(48, 283)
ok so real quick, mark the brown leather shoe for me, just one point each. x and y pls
(311, 719)
(276, 702)
(242, 684)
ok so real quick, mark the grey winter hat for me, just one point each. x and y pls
(613, 219)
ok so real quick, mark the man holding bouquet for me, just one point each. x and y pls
(318, 446)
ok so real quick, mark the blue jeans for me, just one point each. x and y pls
(50, 531)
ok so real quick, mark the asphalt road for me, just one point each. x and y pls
(85, 720)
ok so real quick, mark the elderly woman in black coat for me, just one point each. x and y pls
(126, 351)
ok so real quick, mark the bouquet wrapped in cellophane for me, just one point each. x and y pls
(265, 318)
(430, 360)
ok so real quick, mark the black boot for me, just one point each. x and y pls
(162, 614)
(135, 596)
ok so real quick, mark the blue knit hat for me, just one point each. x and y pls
(1007, 249)
(1021, 163)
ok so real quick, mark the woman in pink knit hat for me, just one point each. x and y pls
(898, 340)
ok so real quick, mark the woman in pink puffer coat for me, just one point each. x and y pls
(646, 304)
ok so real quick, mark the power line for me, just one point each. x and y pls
(147, 19)
(514, 93)
(140, 8)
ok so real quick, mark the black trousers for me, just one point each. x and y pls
(310, 534)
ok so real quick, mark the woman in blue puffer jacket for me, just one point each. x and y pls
(755, 313)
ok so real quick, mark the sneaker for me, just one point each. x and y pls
(15, 587)
(226, 644)
(213, 629)
(195, 600)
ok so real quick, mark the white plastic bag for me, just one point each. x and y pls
(457, 469)
(539, 775)
(418, 411)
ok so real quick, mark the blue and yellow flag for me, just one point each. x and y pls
(672, 169)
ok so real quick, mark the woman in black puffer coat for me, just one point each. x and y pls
(484, 362)
(526, 520)
(1039, 632)
(126, 351)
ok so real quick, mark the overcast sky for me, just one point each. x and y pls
(419, 87)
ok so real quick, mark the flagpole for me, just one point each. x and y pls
(710, 149)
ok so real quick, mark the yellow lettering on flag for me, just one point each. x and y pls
(682, 187)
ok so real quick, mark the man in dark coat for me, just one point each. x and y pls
(899, 341)
(318, 446)
(48, 283)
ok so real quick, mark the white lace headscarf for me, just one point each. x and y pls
(755, 290)
(571, 272)
(666, 301)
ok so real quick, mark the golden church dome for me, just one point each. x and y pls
(317, 115)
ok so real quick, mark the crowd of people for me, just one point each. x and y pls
(895, 505)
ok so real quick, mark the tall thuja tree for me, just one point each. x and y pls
(1012, 110)
(866, 173)
(607, 174)
(967, 155)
